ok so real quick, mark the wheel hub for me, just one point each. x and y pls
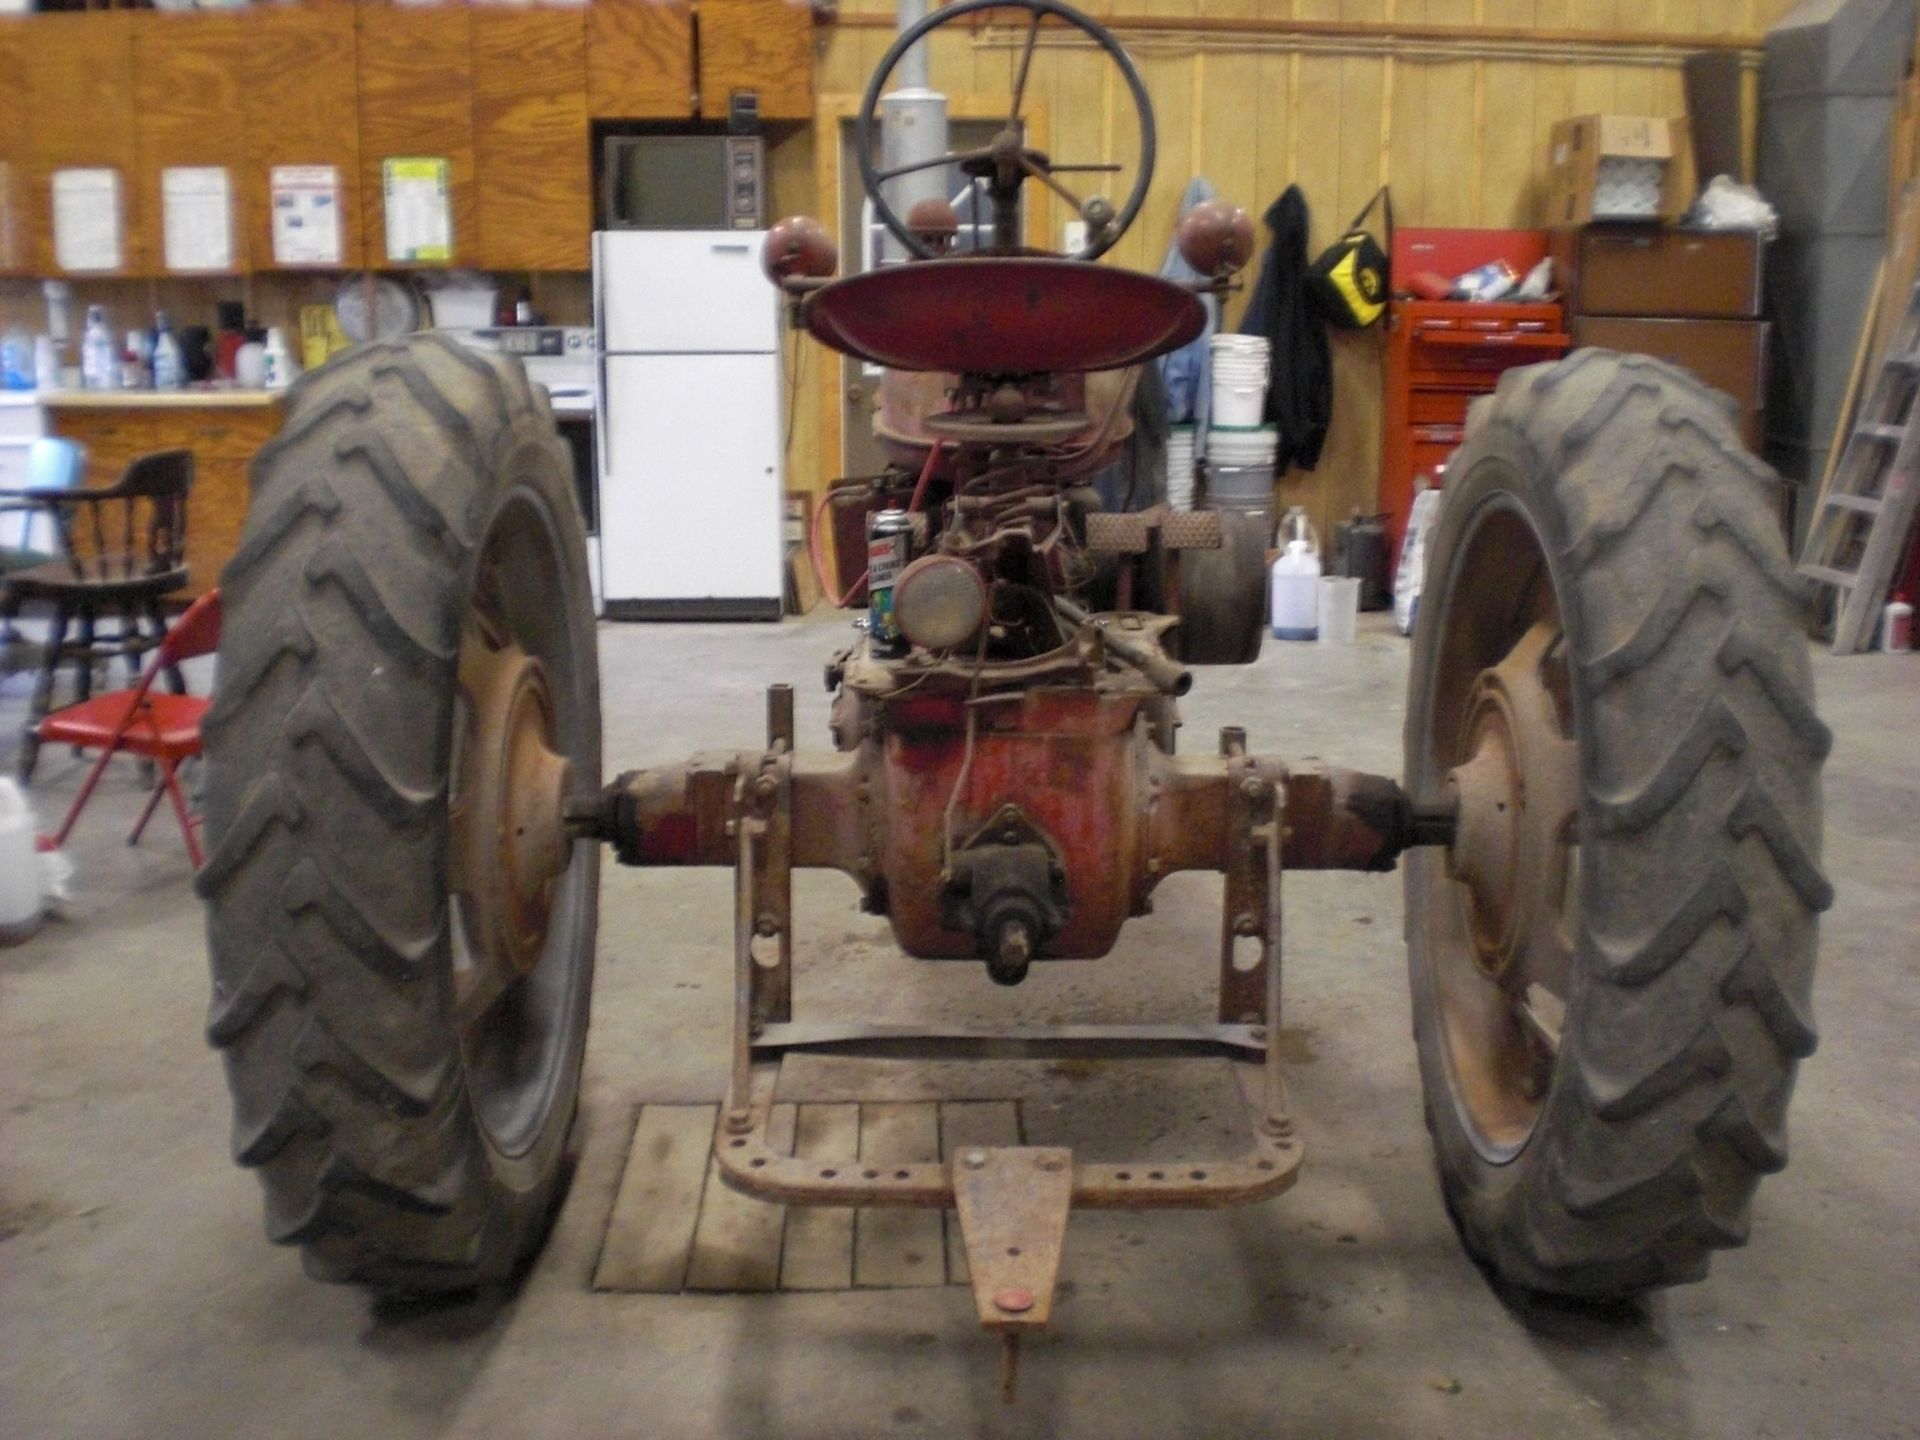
(509, 842)
(1514, 798)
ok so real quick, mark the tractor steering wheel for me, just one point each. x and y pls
(1008, 161)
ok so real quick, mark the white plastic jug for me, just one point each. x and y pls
(1296, 580)
(22, 905)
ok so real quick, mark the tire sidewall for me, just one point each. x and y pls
(531, 472)
(1495, 471)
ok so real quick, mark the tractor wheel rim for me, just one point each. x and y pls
(1505, 739)
(516, 889)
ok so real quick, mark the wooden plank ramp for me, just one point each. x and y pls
(676, 1226)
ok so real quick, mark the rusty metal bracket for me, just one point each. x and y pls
(750, 1164)
(1013, 1205)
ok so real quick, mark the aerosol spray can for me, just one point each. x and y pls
(889, 539)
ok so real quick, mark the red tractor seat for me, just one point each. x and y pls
(1004, 315)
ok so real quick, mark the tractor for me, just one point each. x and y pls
(1608, 820)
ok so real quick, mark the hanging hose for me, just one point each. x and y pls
(835, 598)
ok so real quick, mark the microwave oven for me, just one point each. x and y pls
(683, 182)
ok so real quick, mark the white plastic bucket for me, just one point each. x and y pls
(1339, 609)
(22, 903)
(1180, 468)
(1237, 404)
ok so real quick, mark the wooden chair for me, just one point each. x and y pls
(122, 553)
(163, 729)
(53, 463)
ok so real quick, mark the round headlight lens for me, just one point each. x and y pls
(939, 602)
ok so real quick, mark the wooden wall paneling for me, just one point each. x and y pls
(1169, 80)
(416, 98)
(190, 78)
(1407, 142)
(80, 93)
(301, 107)
(640, 60)
(1079, 121)
(530, 138)
(838, 69)
(1232, 109)
(1452, 147)
(1362, 102)
(760, 45)
(1511, 149)
(1318, 145)
(18, 214)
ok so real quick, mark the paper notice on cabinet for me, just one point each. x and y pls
(306, 215)
(418, 192)
(86, 219)
(196, 205)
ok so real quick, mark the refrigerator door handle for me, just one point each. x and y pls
(602, 432)
(736, 247)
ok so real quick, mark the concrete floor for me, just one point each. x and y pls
(139, 1298)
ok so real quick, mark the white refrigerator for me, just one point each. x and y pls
(689, 426)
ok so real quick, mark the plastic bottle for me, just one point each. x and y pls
(22, 901)
(16, 359)
(169, 365)
(279, 367)
(1296, 580)
(99, 356)
(1896, 626)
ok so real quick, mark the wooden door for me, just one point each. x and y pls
(416, 101)
(17, 214)
(640, 60)
(302, 109)
(80, 94)
(765, 46)
(190, 75)
(531, 141)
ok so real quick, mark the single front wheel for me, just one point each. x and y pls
(1612, 964)
(401, 926)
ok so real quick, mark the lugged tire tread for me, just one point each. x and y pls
(349, 1098)
(1670, 1101)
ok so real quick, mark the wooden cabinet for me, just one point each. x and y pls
(416, 100)
(189, 82)
(224, 436)
(80, 97)
(301, 108)
(531, 142)
(640, 59)
(18, 215)
(761, 45)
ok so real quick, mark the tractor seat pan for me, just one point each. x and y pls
(1004, 315)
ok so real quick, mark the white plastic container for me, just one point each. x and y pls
(277, 363)
(1339, 615)
(1237, 404)
(1180, 468)
(1896, 627)
(1295, 587)
(22, 903)
(463, 306)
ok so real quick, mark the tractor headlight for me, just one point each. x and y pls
(939, 602)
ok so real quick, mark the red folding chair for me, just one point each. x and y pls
(159, 727)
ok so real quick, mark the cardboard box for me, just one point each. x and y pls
(1620, 167)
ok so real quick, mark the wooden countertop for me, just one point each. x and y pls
(159, 399)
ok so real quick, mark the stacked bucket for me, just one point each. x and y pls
(1240, 450)
(1180, 468)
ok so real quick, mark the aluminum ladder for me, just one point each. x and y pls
(1859, 530)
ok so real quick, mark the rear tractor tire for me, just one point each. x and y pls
(401, 927)
(1611, 966)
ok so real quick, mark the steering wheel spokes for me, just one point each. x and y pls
(1008, 162)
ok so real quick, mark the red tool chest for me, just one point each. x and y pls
(1441, 354)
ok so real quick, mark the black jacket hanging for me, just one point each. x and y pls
(1300, 394)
